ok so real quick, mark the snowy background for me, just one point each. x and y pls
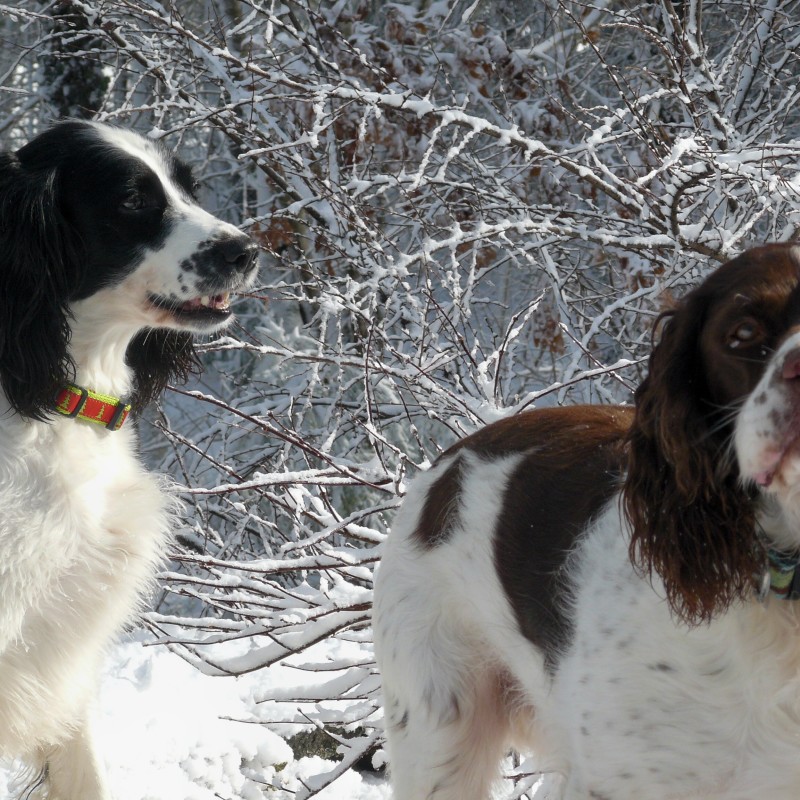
(466, 208)
(166, 730)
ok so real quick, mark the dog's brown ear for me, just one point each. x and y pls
(691, 521)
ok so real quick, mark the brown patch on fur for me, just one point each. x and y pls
(439, 512)
(553, 432)
(572, 460)
(563, 481)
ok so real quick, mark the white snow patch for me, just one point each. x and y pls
(168, 732)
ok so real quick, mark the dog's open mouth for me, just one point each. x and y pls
(209, 309)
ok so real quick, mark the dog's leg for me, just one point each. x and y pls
(447, 713)
(28, 780)
(452, 751)
(75, 771)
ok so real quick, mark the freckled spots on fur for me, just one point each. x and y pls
(205, 258)
(584, 730)
(661, 666)
(761, 399)
(779, 418)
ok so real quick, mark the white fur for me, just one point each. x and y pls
(82, 528)
(82, 524)
(767, 429)
(446, 639)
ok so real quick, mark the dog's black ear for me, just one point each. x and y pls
(35, 266)
(157, 357)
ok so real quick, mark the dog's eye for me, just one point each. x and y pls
(745, 333)
(138, 200)
(134, 202)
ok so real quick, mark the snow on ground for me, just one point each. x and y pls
(168, 732)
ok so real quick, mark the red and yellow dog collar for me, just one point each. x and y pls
(75, 401)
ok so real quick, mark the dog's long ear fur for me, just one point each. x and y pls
(37, 257)
(691, 520)
(156, 358)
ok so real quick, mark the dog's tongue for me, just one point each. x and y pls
(764, 478)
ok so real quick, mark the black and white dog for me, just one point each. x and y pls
(108, 267)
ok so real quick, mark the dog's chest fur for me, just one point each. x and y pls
(82, 528)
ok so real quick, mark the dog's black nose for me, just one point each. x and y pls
(238, 252)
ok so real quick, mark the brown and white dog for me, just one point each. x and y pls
(592, 583)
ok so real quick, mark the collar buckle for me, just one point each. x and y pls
(784, 574)
(119, 416)
(781, 576)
